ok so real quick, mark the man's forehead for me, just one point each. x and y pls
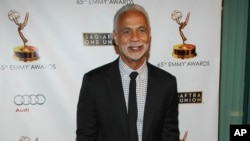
(132, 12)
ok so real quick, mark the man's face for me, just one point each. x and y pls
(132, 36)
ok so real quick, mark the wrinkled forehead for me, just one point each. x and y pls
(130, 8)
(132, 17)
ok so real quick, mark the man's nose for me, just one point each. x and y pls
(135, 36)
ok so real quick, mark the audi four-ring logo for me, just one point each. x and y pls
(33, 99)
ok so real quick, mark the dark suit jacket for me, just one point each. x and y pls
(101, 110)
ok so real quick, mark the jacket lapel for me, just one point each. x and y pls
(150, 102)
(114, 83)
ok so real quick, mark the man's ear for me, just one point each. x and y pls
(115, 38)
(115, 41)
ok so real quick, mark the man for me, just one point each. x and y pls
(103, 112)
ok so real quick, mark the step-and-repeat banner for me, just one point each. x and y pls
(47, 46)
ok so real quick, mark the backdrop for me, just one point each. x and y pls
(47, 46)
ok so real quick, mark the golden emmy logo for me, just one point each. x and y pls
(23, 138)
(183, 50)
(24, 52)
(184, 137)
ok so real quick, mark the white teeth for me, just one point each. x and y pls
(135, 48)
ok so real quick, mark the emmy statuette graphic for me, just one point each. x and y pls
(184, 137)
(183, 50)
(24, 52)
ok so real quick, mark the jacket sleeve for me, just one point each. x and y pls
(170, 130)
(86, 113)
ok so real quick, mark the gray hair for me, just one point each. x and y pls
(126, 8)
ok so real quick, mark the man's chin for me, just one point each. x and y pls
(136, 59)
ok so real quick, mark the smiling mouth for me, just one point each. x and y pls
(135, 48)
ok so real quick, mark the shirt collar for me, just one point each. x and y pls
(126, 70)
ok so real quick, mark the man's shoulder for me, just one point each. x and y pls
(102, 70)
(159, 72)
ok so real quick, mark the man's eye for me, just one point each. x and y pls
(142, 30)
(126, 32)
